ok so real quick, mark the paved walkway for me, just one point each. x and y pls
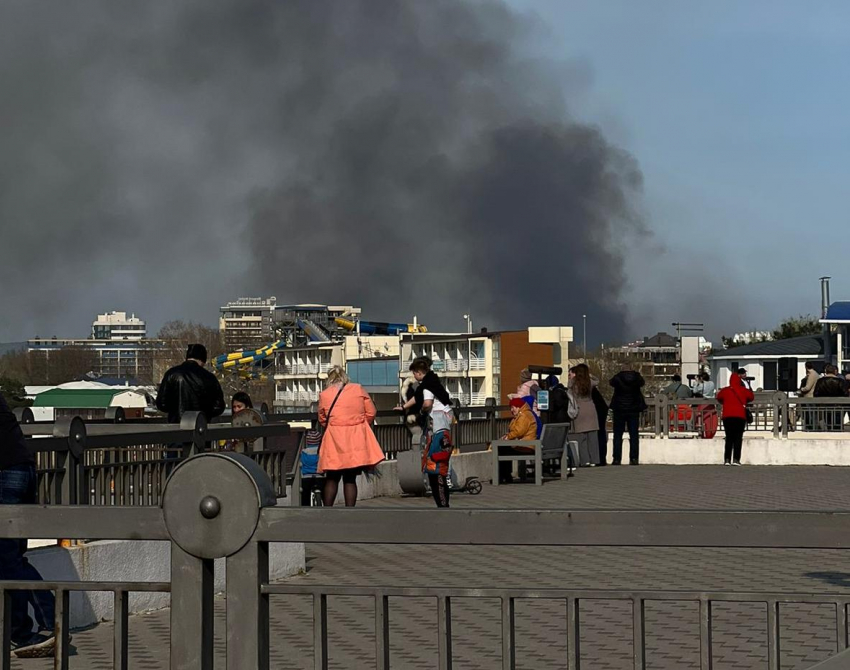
(808, 632)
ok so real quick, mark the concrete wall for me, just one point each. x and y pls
(143, 561)
(756, 451)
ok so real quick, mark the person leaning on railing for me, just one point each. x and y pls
(18, 486)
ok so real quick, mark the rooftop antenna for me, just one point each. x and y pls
(687, 328)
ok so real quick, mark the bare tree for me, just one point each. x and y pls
(179, 334)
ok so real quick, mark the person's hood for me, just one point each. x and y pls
(735, 381)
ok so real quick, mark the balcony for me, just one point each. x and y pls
(478, 364)
(305, 368)
(296, 396)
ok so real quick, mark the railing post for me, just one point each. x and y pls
(74, 430)
(490, 404)
(211, 506)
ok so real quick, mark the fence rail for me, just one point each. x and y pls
(775, 413)
(201, 487)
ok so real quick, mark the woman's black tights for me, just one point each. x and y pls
(349, 488)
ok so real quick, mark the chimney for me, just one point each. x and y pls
(824, 307)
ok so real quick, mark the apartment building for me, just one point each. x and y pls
(248, 323)
(300, 372)
(118, 326)
(109, 358)
(484, 365)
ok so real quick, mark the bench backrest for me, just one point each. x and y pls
(553, 438)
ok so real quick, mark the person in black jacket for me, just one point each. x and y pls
(189, 387)
(626, 405)
(18, 486)
(830, 386)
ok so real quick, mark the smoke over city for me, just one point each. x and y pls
(408, 157)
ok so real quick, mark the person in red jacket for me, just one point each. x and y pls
(734, 399)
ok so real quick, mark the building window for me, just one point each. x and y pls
(770, 382)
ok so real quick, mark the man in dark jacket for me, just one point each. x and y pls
(189, 387)
(830, 386)
(18, 486)
(626, 405)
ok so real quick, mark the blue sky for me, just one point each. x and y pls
(738, 115)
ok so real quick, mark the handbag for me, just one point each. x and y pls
(747, 412)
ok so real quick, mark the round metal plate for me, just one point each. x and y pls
(212, 505)
(75, 430)
(247, 417)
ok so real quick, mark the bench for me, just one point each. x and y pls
(553, 444)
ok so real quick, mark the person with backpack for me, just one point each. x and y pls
(734, 399)
(435, 465)
(626, 406)
(561, 410)
(676, 389)
(585, 426)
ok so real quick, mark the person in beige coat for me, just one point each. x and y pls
(807, 390)
(585, 427)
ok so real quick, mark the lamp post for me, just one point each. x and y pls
(584, 335)
(468, 318)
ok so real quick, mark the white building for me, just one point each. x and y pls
(118, 326)
(773, 365)
(300, 372)
(247, 323)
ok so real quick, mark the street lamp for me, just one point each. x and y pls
(468, 318)
(584, 335)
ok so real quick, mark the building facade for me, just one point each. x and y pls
(118, 326)
(248, 323)
(300, 372)
(108, 358)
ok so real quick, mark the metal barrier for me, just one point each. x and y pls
(221, 505)
(774, 413)
(126, 463)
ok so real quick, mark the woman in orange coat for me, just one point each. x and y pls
(348, 445)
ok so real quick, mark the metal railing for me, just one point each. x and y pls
(203, 487)
(127, 463)
(775, 413)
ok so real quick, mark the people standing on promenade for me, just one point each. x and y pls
(585, 427)
(626, 406)
(704, 387)
(677, 389)
(807, 390)
(18, 486)
(831, 385)
(349, 445)
(602, 417)
(734, 399)
(190, 387)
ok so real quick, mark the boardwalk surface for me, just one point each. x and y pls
(740, 630)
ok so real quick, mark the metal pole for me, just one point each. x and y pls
(584, 335)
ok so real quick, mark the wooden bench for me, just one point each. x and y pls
(553, 444)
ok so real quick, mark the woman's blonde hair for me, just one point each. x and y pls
(337, 375)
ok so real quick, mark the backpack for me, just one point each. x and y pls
(572, 406)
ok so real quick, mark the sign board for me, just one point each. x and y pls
(543, 400)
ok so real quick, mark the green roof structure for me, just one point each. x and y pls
(77, 398)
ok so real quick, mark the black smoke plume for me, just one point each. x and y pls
(410, 157)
